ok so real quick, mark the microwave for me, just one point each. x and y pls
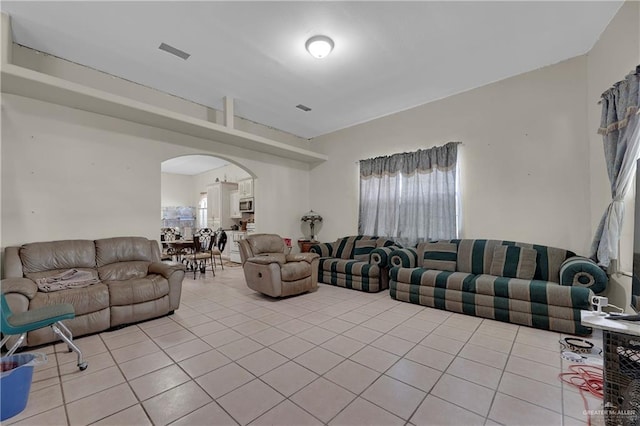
(246, 205)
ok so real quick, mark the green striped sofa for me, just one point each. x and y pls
(526, 284)
(358, 262)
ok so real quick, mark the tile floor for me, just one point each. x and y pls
(230, 356)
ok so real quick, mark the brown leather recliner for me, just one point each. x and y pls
(268, 270)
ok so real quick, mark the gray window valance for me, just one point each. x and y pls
(424, 160)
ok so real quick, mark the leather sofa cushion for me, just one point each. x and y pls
(57, 255)
(84, 300)
(267, 258)
(137, 290)
(266, 243)
(123, 249)
(124, 270)
(128, 314)
(293, 271)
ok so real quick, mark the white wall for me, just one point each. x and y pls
(615, 54)
(71, 174)
(177, 190)
(523, 158)
(52, 65)
(68, 173)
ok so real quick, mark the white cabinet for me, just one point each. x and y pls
(219, 205)
(245, 188)
(235, 205)
(234, 250)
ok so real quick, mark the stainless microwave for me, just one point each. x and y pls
(246, 205)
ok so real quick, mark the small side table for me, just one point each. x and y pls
(305, 245)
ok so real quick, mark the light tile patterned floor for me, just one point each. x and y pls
(230, 356)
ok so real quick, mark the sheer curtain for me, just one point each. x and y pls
(410, 197)
(620, 129)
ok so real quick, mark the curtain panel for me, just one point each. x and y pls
(620, 128)
(410, 197)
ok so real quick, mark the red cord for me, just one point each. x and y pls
(586, 379)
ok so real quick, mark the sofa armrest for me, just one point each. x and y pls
(174, 273)
(266, 260)
(302, 257)
(23, 286)
(165, 269)
(323, 249)
(382, 256)
(583, 272)
(405, 258)
(18, 293)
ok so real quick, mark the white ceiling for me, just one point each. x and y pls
(192, 164)
(388, 56)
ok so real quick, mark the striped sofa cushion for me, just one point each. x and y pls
(349, 274)
(513, 262)
(347, 266)
(563, 316)
(543, 292)
(439, 255)
(548, 260)
(363, 249)
(475, 256)
(344, 247)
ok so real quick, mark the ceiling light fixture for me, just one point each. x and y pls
(319, 46)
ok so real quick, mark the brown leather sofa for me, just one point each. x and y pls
(133, 284)
(268, 270)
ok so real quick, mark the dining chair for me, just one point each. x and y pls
(168, 234)
(201, 254)
(211, 239)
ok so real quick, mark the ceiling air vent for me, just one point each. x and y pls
(170, 49)
(303, 107)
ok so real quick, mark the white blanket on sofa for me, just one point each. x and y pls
(71, 278)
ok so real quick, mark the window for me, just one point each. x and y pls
(202, 211)
(410, 197)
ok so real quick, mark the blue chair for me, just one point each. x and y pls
(48, 316)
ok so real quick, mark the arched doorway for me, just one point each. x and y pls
(206, 191)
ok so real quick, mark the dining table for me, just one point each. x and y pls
(180, 247)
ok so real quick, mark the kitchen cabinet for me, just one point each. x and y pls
(234, 250)
(219, 205)
(235, 205)
(245, 188)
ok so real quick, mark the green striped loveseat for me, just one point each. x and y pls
(359, 262)
(526, 284)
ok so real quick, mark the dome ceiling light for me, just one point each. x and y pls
(319, 46)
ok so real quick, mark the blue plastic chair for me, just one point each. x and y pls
(48, 316)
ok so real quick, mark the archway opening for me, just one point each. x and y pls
(207, 191)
